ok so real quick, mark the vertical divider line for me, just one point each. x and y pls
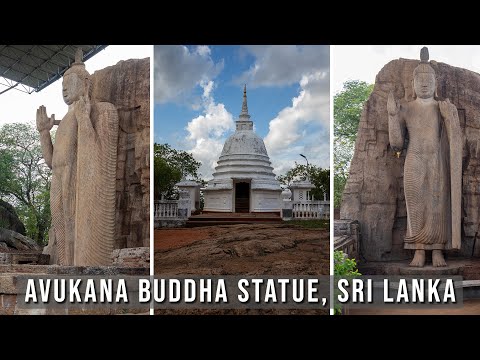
(332, 197)
(152, 137)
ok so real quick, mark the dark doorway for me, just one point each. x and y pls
(242, 197)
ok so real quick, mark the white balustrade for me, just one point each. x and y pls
(166, 209)
(311, 210)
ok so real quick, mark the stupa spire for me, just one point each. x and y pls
(244, 113)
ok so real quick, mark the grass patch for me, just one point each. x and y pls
(310, 224)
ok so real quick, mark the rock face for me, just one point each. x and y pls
(244, 249)
(374, 192)
(12, 231)
(9, 219)
(251, 249)
(16, 241)
(127, 86)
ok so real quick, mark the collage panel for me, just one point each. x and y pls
(74, 174)
(241, 169)
(405, 179)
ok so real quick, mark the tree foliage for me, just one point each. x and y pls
(343, 267)
(347, 110)
(319, 177)
(170, 166)
(25, 178)
(165, 177)
(348, 106)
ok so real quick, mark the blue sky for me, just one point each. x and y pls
(198, 96)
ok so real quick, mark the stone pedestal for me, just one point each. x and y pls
(19, 257)
(132, 257)
(468, 268)
(429, 270)
(10, 275)
(301, 190)
(184, 205)
(346, 237)
(287, 211)
(193, 190)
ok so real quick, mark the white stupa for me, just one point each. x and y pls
(243, 180)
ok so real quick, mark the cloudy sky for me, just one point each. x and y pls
(198, 96)
(363, 62)
(17, 106)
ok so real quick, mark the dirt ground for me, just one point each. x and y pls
(246, 249)
(167, 239)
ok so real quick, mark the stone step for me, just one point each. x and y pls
(24, 257)
(227, 218)
(191, 224)
(215, 218)
(229, 221)
(207, 214)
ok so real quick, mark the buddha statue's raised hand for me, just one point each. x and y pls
(447, 109)
(83, 108)
(44, 123)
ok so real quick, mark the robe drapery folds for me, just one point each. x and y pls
(432, 182)
(95, 190)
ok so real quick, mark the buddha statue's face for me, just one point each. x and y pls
(424, 84)
(72, 88)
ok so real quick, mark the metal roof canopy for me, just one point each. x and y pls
(30, 68)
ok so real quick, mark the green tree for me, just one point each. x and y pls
(25, 178)
(347, 110)
(165, 176)
(170, 166)
(319, 177)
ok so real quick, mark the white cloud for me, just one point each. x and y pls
(207, 88)
(206, 132)
(203, 50)
(287, 137)
(315, 146)
(207, 151)
(278, 65)
(16, 106)
(179, 69)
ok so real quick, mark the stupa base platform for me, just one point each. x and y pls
(216, 218)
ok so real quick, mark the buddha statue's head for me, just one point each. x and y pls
(424, 83)
(76, 81)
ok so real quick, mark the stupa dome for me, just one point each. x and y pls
(244, 142)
